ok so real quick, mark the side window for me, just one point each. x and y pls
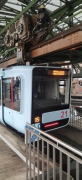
(16, 93)
(6, 84)
(12, 93)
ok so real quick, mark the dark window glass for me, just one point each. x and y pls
(11, 93)
(16, 93)
(6, 92)
(48, 90)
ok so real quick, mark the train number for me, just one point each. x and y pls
(63, 114)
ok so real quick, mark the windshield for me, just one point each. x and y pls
(48, 90)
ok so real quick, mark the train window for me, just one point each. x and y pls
(48, 90)
(16, 93)
(11, 93)
(6, 92)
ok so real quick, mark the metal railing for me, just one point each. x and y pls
(76, 117)
(54, 159)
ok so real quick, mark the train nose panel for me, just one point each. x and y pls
(50, 117)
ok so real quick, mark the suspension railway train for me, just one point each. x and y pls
(37, 95)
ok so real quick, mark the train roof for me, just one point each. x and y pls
(30, 67)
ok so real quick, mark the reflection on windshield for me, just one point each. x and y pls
(48, 92)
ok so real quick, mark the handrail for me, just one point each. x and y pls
(59, 142)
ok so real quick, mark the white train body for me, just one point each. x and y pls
(17, 93)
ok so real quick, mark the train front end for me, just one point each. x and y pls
(51, 89)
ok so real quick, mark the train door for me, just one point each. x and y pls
(7, 101)
(11, 98)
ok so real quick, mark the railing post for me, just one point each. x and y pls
(47, 161)
(60, 165)
(26, 154)
(77, 171)
(68, 168)
(30, 153)
(38, 157)
(34, 155)
(42, 160)
(54, 160)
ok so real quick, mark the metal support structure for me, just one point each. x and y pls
(60, 10)
(59, 15)
(19, 15)
(66, 19)
(77, 68)
(56, 14)
(76, 117)
(65, 40)
(52, 50)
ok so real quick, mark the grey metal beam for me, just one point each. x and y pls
(66, 19)
(7, 8)
(27, 2)
(17, 4)
(7, 13)
(74, 10)
(59, 11)
(78, 75)
(2, 2)
(64, 1)
(53, 4)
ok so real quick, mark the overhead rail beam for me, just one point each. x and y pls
(68, 40)
(19, 15)
(10, 62)
(62, 41)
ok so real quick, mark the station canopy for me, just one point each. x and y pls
(64, 13)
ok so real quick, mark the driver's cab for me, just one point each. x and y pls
(51, 91)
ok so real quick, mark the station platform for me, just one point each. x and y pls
(11, 166)
(12, 155)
